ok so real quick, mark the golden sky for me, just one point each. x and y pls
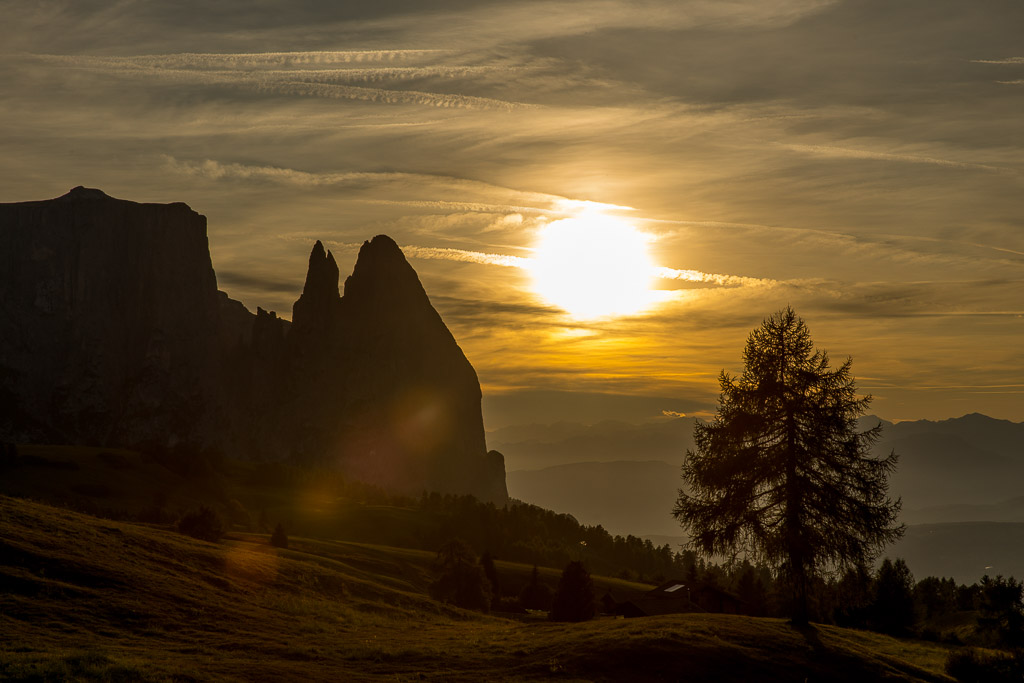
(862, 161)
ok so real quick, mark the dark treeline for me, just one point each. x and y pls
(516, 532)
(888, 600)
(520, 532)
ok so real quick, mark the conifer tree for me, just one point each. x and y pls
(279, 539)
(535, 595)
(491, 572)
(574, 598)
(460, 579)
(782, 473)
(893, 608)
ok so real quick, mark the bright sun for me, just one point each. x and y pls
(593, 266)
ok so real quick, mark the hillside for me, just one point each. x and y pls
(313, 502)
(92, 599)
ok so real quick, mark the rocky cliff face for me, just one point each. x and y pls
(410, 391)
(115, 333)
(109, 313)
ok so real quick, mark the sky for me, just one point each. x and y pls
(861, 161)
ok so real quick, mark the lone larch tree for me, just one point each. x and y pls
(782, 472)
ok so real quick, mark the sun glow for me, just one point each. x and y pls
(594, 266)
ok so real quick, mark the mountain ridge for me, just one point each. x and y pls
(151, 354)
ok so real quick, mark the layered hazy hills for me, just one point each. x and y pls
(115, 334)
(951, 473)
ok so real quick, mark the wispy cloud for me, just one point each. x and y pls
(526, 263)
(1007, 60)
(847, 153)
(521, 200)
(888, 190)
(387, 96)
(264, 73)
(465, 256)
(713, 278)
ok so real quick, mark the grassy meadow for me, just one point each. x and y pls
(86, 598)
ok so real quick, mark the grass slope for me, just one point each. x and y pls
(85, 598)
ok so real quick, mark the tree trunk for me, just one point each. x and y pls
(794, 540)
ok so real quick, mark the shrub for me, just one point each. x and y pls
(972, 666)
(574, 599)
(892, 611)
(1002, 611)
(203, 524)
(535, 595)
(460, 580)
(279, 539)
(491, 572)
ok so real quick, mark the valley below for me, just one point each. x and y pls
(959, 481)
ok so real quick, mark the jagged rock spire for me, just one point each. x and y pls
(382, 278)
(320, 293)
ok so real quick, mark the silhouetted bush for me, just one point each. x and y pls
(460, 580)
(935, 598)
(1002, 611)
(203, 524)
(279, 539)
(972, 666)
(491, 572)
(536, 595)
(893, 608)
(574, 599)
(853, 595)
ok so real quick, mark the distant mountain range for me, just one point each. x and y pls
(951, 472)
(625, 497)
(535, 446)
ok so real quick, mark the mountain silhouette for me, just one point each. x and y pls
(116, 335)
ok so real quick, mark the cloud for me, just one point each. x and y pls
(526, 263)
(250, 71)
(257, 282)
(464, 256)
(247, 60)
(847, 153)
(521, 199)
(513, 22)
(713, 278)
(1008, 60)
(777, 155)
